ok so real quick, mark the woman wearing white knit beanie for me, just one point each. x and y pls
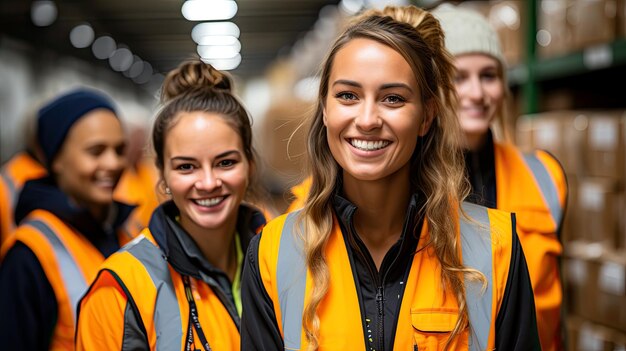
(531, 185)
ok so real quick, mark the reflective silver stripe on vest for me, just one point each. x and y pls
(167, 321)
(12, 190)
(72, 276)
(291, 283)
(476, 247)
(546, 185)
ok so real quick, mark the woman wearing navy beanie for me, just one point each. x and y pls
(68, 222)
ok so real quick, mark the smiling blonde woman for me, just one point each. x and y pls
(384, 254)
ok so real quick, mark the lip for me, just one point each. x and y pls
(474, 111)
(212, 209)
(367, 153)
(105, 184)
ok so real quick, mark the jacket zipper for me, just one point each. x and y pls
(380, 285)
(381, 291)
(380, 301)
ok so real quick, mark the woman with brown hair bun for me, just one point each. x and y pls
(177, 286)
(384, 254)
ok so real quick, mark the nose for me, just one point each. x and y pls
(113, 161)
(368, 118)
(474, 89)
(208, 180)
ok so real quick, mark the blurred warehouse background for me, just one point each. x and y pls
(567, 64)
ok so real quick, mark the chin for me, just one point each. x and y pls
(475, 128)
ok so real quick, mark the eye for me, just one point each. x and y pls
(459, 78)
(120, 150)
(489, 76)
(226, 163)
(185, 167)
(394, 99)
(345, 95)
(95, 150)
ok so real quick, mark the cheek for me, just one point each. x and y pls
(237, 178)
(495, 91)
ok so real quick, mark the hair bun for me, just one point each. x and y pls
(193, 75)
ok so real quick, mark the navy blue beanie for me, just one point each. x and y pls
(55, 119)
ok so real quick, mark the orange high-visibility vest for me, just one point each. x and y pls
(13, 174)
(140, 272)
(69, 261)
(428, 313)
(534, 187)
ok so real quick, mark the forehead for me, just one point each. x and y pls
(201, 131)
(363, 59)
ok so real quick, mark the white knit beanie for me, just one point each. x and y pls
(467, 32)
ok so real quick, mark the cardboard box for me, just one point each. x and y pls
(592, 22)
(612, 292)
(621, 18)
(581, 287)
(524, 133)
(620, 244)
(574, 130)
(283, 143)
(597, 203)
(506, 19)
(570, 230)
(553, 35)
(605, 145)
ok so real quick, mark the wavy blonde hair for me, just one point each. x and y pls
(437, 164)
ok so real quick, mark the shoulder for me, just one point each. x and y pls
(272, 234)
(497, 227)
(274, 228)
(552, 164)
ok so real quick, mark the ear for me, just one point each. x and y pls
(56, 165)
(429, 116)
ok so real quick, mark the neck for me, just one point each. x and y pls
(475, 141)
(99, 212)
(381, 206)
(217, 245)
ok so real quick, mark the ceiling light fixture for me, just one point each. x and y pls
(209, 10)
(214, 29)
(82, 36)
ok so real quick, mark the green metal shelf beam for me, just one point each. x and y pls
(588, 60)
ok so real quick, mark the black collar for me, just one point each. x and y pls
(182, 252)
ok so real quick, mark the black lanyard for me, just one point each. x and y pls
(193, 320)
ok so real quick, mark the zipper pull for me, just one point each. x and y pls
(379, 294)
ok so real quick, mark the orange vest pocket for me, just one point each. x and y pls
(432, 327)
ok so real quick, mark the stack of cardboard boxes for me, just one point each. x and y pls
(591, 146)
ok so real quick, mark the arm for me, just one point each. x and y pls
(107, 319)
(28, 305)
(516, 324)
(259, 329)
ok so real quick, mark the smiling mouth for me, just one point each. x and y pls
(214, 201)
(368, 145)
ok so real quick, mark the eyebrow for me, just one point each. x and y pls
(222, 155)
(382, 87)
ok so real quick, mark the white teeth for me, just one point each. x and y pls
(210, 202)
(367, 145)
